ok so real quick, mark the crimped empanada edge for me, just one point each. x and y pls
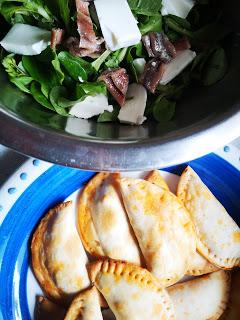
(39, 268)
(227, 263)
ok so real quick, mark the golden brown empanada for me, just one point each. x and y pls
(156, 178)
(103, 222)
(58, 257)
(85, 306)
(218, 236)
(47, 310)
(202, 298)
(200, 265)
(162, 226)
(131, 292)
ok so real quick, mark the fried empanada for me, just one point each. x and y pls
(58, 257)
(47, 310)
(131, 292)
(233, 309)
(85, 306)
(163, 228)
(103, 222)
(156, 178)
(218, 236)
(202, 298)
(200, 265)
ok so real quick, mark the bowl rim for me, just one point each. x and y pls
(99, 155)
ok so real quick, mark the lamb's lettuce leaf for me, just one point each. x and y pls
(146, 7)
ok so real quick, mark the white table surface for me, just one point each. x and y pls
(11, 160)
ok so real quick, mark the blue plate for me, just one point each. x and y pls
(54, 186)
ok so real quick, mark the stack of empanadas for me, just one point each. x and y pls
(150, 254)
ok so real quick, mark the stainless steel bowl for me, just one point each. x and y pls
(206, 119)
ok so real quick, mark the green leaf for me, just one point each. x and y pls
(116, 58)
(57, 67)
(39, 97)
(22, 83)
(22, 10)
(100, 60)
(174, 25)
(163, 109)
(211, 33)
(16, 74)
(146, 7)
(44, 74)
(75, 66)
(215, 68)
(107, 116)
(154, 24)
(57, 97)
(90, 89)
(64, 11)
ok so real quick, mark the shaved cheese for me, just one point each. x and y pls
(26, 40)
(133, 110)
(91, 106)
(179, 8)
(119, 27)
(177, 65)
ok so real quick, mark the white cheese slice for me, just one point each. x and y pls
(133, 110)
(119, 27)
(139, 65)
(91, 106)
(177, 65)
(179, 8)
(26, 40)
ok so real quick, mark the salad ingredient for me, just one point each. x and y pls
(56, 37)
(115, 42)
(26, 40)
(158, 46)
(133, 110)
(145, 7)
(91, 106)
(118, 25)
(117, 83)
(16, 73)
(139, 65)
(179, 8)
(177, 65)
(152, 75)
(88, 42)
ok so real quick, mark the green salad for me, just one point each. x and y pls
(123, 61)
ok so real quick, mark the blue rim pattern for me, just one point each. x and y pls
(54, 186)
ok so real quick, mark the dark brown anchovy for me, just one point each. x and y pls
(117, 81)
(89, 43)
(159, 46)
(56, 37)
(152, 74)
(72, 44)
